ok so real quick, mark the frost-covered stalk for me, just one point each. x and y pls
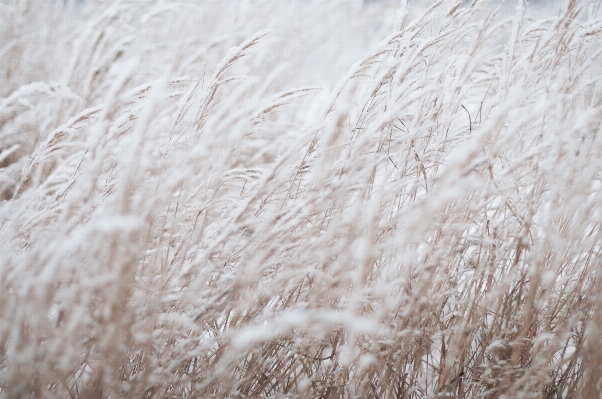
(429, 228)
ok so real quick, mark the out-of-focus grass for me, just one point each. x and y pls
(415, 217)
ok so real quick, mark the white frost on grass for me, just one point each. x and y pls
(300, 199)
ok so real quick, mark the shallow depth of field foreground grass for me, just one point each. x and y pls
(407, 209)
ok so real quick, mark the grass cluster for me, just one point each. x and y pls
(409, 209)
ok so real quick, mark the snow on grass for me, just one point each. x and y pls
(330, 199)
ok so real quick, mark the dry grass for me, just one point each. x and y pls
(429, 229)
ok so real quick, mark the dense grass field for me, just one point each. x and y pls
(300, 199)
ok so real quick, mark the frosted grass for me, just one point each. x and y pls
(304, 199)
